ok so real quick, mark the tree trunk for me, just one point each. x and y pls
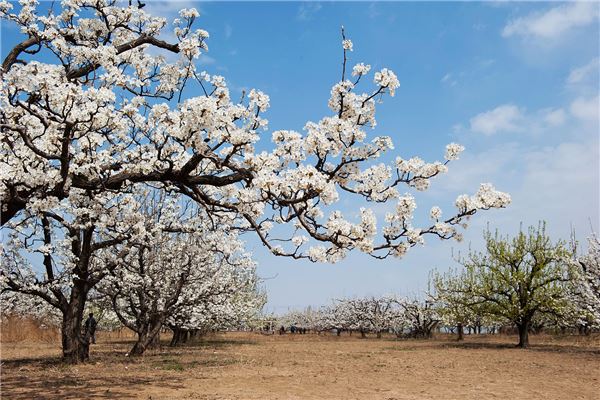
(459, 329)
(176, 337)
(147, 338)
(363, 334)
(523, 334)
(74, 345)
(155, 342)
(378, 334)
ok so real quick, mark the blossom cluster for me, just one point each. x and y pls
(372, 314)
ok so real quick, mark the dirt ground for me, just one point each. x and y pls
(256, 366)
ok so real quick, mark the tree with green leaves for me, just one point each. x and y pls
(453, 301)
(515, 279)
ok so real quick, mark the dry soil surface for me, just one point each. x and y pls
(256, 366)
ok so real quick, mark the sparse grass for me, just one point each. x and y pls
(169, 365)
(401, 348)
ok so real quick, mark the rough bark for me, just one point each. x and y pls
(148, 337)
(523, 329)
(176, 336)
(74, 345)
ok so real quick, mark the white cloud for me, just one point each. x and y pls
(510, 118)
(586, 108)
(554, 22)
(504, 118)
(458, 128)
(554, 117)
(165, 9)
(306, 11)
(206, 60)
(568, 165)
(581, 74)
(561, 185)
(487, 62)
(479, 26)
(558, 183)
(495, 164)
(554, 181)
(449, 79)
(373, 11)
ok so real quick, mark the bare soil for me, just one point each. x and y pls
(256, 366)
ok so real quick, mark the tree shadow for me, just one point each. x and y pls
(50, 377)
(477, 345)
(212, 343)
(74, 387)
(227, 342)
(540, 347)
(103, 355)
(37, 362)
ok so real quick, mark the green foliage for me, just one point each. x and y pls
(452, 298)
(514, 280)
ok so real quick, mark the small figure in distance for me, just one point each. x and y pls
(90, 327)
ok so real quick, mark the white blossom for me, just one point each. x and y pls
(189, 13)
(453, 150)
(387, 79)
(360, 69)
(347, 44)
(435, 213)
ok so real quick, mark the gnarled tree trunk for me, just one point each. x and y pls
(74, 345)
(177, 332)
(148, 337)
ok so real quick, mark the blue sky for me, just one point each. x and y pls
(515, 83)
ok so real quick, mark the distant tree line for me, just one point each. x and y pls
(528, 283)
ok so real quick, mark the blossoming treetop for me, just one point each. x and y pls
(87, 105)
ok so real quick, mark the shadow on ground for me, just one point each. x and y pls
(74, 387)
(539, 347)
(45, 378)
